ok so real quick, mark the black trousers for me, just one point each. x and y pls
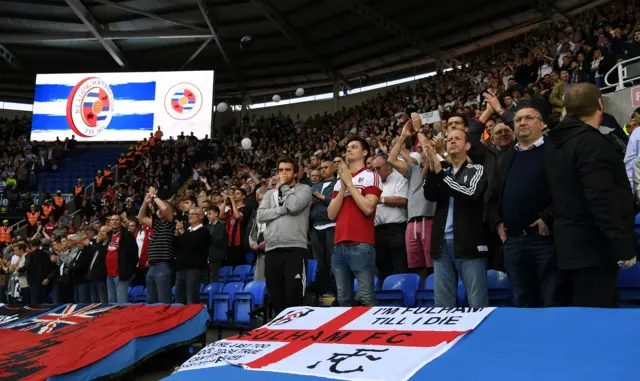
(236, 256)
(322, 249)
(285, 270)
(590, 286)
(391, 250)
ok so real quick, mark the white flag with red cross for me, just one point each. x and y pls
(358, 343)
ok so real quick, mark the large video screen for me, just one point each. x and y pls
(122, 106)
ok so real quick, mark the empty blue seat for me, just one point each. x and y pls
(239, 273)
(399, 290)
(250, 257)
(210, 290)
(141, 297)
(223, 302)
(499, 289)
(628, 286)
(376, 285)
(426, 297)
(312, 269)
(224, 272)
(134, 293)
(249, 277)
(173, 294)
(246, 301)
(637, 224)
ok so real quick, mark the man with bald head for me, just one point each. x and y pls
(519, 211)
(593, 203)
(391, 220)
(502, 137)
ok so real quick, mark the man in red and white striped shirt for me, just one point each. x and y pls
(353, 206)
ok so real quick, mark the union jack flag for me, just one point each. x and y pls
(71, 314)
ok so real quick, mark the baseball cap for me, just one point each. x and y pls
(59, 192)
(5, 221)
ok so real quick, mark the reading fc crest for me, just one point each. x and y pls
(90, 107)
(183, 101)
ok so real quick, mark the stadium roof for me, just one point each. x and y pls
(295, 43)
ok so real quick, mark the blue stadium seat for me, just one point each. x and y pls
(223, 303)
(134, 293)
(629, 287)
(173, 294)
(141, 297)
(239, 273)
(637, 224)
(376, 284)
(399, 290)
(224, 272)
(462, 295)
(246, 301)
(426, 297)
(250, 257)
(312, 270)
(499, 289)
(210, 290)
(249, 277)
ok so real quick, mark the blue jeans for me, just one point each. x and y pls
(530, 262)
(358, 261)
(472, 271)
(99, 292)
(83, 293)
(118, 290)
(188, 286)
(159, 284)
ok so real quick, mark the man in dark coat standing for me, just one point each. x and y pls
(121, 260)
(592, 202)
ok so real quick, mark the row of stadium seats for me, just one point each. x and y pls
(244, 273)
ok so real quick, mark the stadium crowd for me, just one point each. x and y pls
(501, 179)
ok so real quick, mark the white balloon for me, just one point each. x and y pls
(222, 107)
(246, 143)
(300, 92)
(276, 98)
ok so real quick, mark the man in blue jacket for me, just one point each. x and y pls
(323, 229)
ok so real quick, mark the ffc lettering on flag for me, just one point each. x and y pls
(359, 343)
(13, 314)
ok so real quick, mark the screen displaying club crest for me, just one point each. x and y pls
(90, 107)
(122, 106)
(183, 101)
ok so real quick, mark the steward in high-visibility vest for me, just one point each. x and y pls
(78, 191)
(58, 200)
(122, 162)
(33, 216)
(5, 232)
(108, 174)
(47, 208)
(98, 181)
(131, 155)
(138, 151)
(145, 144)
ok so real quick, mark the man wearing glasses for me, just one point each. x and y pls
(519, 210)
(192, 253)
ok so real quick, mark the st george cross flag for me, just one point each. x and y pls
(77, 335)
(358, 343)
(13, 314)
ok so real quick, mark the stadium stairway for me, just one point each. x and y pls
(84, 164)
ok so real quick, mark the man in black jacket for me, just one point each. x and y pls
(39, 270)
(458, 244)
(121, 260)
(217, 242)
(191, 257)
(322, 228)
(519, 211)
(97, 267)
(80, 267)
(593, 202)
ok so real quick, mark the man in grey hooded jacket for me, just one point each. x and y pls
(285, 211)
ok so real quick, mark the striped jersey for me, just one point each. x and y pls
(161, 243)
